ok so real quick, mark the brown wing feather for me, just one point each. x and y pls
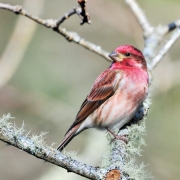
(102, 89)
(92, 103)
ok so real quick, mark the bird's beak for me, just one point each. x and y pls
(115, 56)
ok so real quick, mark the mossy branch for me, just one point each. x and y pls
(121, 156)
(36, 146)
(119, 161)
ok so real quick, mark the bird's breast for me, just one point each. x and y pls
(121, 107)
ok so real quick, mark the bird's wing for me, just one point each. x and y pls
(103, 88)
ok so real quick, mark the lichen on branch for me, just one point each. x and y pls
(35, 145)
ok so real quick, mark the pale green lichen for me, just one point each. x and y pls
(6, 126)
(134, 171)
(19, 131)
(135, 139)
(133, 148)
(4, 122)
(39, 139)
(128, 168)
(127, 162)
(71, 154)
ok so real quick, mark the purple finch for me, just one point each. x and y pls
(116, 95)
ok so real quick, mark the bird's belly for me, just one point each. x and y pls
(116, 111)
(110, 115)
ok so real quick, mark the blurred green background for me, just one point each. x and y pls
(54, 76)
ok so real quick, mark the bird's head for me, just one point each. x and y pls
(128, 55)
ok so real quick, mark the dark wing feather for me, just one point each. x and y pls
(102, 89)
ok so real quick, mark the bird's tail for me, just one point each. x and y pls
(68, 137)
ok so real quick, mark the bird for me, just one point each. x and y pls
(115, 96)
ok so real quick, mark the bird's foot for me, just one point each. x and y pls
(122, 138)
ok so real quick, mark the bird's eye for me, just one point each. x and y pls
(128, 54)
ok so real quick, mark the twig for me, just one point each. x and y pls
(153, 41)
(19, 10)
(79, 11)
(50, 23)
(141, 18)
(83, 14)
(66, 16)
(152, 36)
(38, 148)
(73, 36)
(173, 25)
(165, 49)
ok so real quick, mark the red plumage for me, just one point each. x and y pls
(115, 96)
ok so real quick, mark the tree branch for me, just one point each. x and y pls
(37, 147)
(140, 16)
(66, 16)
(153, 36)
(54, 24)
(173, 25)
(80, 11)
(83, 14)
(164, 49)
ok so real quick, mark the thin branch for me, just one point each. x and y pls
(66, 16)
(83, 14)
(15, 9)
(173, 25)
(140, 16)
(150, 47)
(152, 42)
(37, 147)
(73, 36)
(79, 11)
(165, 49)
(19, 10)
(152, 36)
(164, 30)
(50, 23)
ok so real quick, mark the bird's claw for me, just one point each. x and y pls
(122, 138)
